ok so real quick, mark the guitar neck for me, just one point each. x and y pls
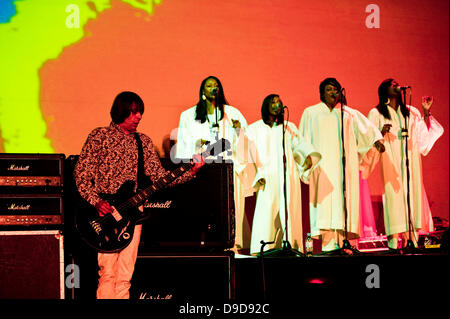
(138, 199)
(141, 196)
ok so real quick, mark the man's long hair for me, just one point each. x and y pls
(265, 110)
(123, 105)
(200, 110)
(383, 99)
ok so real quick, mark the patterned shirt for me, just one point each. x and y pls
(109, 158)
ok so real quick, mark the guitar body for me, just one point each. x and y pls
(109, 234)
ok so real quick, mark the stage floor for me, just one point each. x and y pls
(226, 276)
(292, 277)
(222, 276)
(172, 283)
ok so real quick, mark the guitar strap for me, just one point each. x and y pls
(142, 180)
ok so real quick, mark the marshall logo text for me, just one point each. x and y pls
(13, 167)
(167, 204)
(19, 207)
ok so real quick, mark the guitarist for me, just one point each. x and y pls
(109, 158)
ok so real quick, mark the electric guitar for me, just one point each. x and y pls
(113, 232)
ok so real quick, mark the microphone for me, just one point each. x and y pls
(402, 88)
(214, 91)
(280, 107)
(404, 132)
(336, 94)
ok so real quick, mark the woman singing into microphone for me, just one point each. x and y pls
(395, 119)
(209, 120)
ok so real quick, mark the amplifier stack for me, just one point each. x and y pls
(31, 226)
(31, 191)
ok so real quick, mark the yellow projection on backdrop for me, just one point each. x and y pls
(39, 31)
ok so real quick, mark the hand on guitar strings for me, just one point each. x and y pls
(199, 161)
(103, 208)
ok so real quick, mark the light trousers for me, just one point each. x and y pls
(116, 270)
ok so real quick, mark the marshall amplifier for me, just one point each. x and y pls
(197, 214)
(31, 210)
(35, 172)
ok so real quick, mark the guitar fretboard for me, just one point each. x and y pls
(140, 197)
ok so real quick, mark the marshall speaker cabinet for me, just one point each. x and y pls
(31, 265)
(198, 214)
(184, 276)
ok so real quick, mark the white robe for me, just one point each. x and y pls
(322, 129)
(189, 134)
(393, 169)
(269, 216)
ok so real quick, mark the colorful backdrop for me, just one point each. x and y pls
(63, 62)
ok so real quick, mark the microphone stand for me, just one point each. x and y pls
(410, 247)
(215, 126)
(286, 250)
(345, 243)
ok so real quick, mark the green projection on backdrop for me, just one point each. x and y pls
(38, 32)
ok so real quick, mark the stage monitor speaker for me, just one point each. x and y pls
(184, 276)
(31, 265)
(198, 214)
